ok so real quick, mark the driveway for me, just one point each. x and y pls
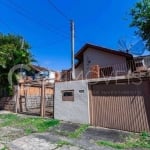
(49, 134)
(57, 139)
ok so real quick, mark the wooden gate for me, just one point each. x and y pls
(124, 106)
(31, 96)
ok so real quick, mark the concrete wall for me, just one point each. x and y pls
(8, 103)
(79, 72)
(34, 102)
(94, 57)
(73, 111)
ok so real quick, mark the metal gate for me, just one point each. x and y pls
(123, 106)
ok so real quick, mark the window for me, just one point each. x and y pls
(139, 64)
(106, 71)
(68, 95)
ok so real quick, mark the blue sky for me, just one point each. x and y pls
(100, 22)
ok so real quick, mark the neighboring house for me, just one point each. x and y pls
(38, 72)
(142, 63)
(41, 72)
(100, 61)
(119, 102)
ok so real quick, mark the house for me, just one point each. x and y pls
(37, 73)
(95, 61)
(111, 97)
(142, 63)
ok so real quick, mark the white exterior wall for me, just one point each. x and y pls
(74, 111)
(51, 77)
(79, 72)
(102, 59)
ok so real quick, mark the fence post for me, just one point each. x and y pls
(43, 99)
(17, 95)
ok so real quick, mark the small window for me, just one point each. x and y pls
(106, 71)
(68, 95)
(139, 64)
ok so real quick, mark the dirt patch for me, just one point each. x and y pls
(9, 133)
(5, 112)
(68, 127)
(105, 134)
(65, 128)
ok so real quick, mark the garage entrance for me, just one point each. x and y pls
(120, 106)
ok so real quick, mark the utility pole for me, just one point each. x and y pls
(72, 50)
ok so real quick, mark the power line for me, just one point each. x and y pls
(21, 13)
(18, 9)
(72, 36)
(42, 45)
(58, 10)
(55, 29)
(66, 17)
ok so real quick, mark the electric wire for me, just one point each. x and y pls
(24, 13)
(58, 10)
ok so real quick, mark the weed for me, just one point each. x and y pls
(29, 124)
(140, 141)
(62, 143)
(62, 133)
(78, 131)
(4, 148)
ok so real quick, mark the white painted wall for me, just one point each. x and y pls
(95, 57)
(79, 72)
(74, 111)
(51, 76)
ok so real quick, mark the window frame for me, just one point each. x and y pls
(67, 98)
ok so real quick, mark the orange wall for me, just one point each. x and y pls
(35, 91)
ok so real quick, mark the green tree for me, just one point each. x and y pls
(141, 20)
(13, 50)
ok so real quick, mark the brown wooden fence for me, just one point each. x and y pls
(34, 97)
(123, 106)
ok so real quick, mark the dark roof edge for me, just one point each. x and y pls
(107, 50)
(38, 68)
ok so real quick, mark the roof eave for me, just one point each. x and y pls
(79, 54)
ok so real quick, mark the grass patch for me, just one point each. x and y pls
(62, 143)
(78, 132)
(4, 148)
(111, 144)
(28, 131)
(29, 124)
(137, 141)
(8, 119)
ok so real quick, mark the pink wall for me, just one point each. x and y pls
(95, 57)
